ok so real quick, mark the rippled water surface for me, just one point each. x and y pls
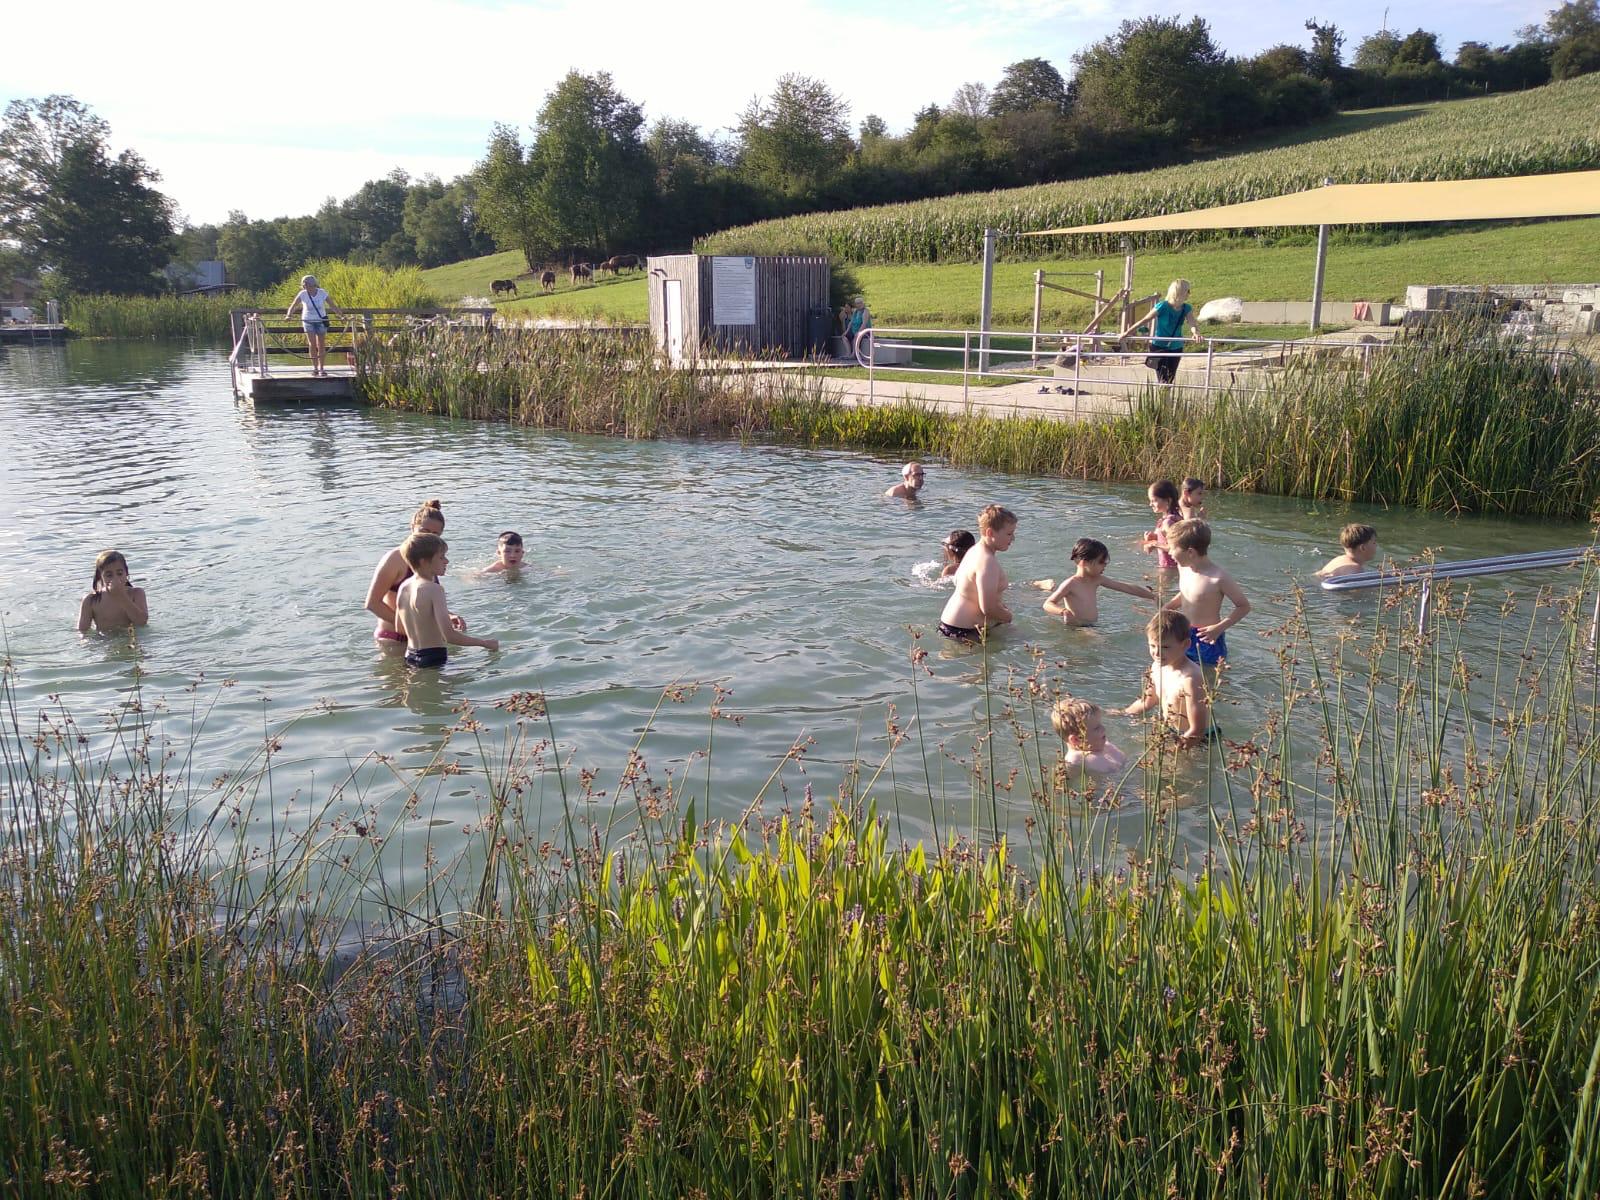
(777, 573)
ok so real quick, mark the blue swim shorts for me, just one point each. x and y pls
(1207, 654)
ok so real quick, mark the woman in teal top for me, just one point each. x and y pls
(1167, 318)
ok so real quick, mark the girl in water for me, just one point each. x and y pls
(1163, 496)
(955, 548)
(113, 603)
(392, 572)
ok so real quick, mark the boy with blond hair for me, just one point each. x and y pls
(1202, 587)
(1174, 685)
(420, 612)
(1080, 725)
(1360, 544)
(976, 606)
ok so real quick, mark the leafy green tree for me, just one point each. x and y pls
(1280, 62)
(376, 211)
(1579, 55)
(103, 227)
(1377, 51)
(591, 173)
(1327, 49)
(971, 100)
(1418, 48)
(1159, 76)
(254, 252)
(439, 221)
(796, 141)
(873, 128)
(1574, 19)
(1029, 84)
(505, 184)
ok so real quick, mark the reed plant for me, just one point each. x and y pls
(204, 318)
(358, 285)
(1381, 979)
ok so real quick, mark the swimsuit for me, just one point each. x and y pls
(960, 633)
(388, 635)
(430, 656)
(1164, 560)
(1207, 654)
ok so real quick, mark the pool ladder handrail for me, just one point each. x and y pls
(1465, 568)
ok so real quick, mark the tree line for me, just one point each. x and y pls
(591, 178)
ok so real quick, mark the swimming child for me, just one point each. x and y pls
(1088, 748)
(979, 580)
(1360, 544)
(113, 603)
(911, 477)
(954, 548)
(1192, 499)
(507, 554)
(1174, 684)
(392, 572)
(1202, 586)
(1163, 497)
(1077, 597)
(419, 607)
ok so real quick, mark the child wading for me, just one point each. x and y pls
(419, 607)
(113, 602)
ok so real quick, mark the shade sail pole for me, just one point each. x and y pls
(1316, 278)
(986, 308)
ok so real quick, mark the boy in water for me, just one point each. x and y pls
(976, 605)
(911, 477)
(1202, 586)
(507, 554)
(1174, 684)
(1088, 748)
(1077, 598)
(1360, 544)
(420, 612)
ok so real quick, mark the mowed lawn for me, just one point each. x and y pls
(947, 295)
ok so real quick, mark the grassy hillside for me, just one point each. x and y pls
(947, 293)
(1553, 128)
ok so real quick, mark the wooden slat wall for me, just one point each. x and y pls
(787, 288)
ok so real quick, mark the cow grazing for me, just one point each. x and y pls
(503, 285)
(582, 271)
(626, 262)
(548, 281)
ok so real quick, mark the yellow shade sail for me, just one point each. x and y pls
(1570, 194)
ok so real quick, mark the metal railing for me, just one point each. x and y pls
(1118, 361)
(1465, 568)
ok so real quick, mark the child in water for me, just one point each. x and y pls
(1174, 685)
(507, 554)
(1163, 497)
(1360, 544)
(421, 614)
(1192, 500)
(1088, 748)
(113, 603)
(1077, 597)
(955, 548)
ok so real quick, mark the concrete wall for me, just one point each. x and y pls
(1552, 307)
(1298, 312)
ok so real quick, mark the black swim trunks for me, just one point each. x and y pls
(960, 633)
(432, 656)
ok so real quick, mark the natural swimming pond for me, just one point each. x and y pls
(778, 574)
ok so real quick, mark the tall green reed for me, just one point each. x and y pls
(1382, 978)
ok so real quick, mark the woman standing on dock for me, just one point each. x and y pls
(314, 307)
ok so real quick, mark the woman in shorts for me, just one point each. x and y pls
(314, 306)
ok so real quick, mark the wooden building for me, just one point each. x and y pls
(770, 307)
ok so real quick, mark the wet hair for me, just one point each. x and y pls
(1169, 625)
(1089, 550)
(1070, 716)
(1193, 534)
(103, 560)
(959, 542)
(510, 538)
(1192, 484)
(419, 548)
(995, 517)
(1354, 535)
(428, 510)
(1177, 290)
(1167, 492)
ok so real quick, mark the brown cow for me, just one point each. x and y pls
(626, 262)
(582, 271)
(503, 285)
(548, 281)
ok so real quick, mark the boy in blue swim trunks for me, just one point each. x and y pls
(1202, 587)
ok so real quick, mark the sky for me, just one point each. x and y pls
(271, 109)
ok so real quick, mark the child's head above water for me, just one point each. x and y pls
(429, 518)
(1164, 496)
(509, 548)
(1192, 534)
(1193, 492)
(420, 549)
(109, 567)
(1360, 542)
(1079, 723)
(1088, 550)
(1168, 632)
(958, 543)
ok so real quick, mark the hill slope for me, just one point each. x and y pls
(1553, 128)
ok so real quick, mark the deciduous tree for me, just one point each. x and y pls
(1029, 84)
(796, 140)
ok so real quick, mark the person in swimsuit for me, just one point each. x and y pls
(1192, 500)
(1360, 544)
(1077, 598)
(1088, 748)
(419, 606)
(1164, 499)
(392, 572)
(1202, 587)
(911, 477)
(507, 555)
(955, 548)
(1174, 685)
(314, 306)
(976, 606)
(113, 603)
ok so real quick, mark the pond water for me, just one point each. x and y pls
(779, 574)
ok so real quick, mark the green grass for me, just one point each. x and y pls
(1376, 979)
(1553, 128)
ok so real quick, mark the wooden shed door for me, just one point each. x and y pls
(672, 313)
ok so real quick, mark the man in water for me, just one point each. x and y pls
(976, 607)
(910, 483)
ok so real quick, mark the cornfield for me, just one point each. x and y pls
(1553, 128)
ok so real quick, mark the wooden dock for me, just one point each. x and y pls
(32, 332)
(293, 383)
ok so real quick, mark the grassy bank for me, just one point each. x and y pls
(1541, 130)
(1456, 421)
(1379, 981)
